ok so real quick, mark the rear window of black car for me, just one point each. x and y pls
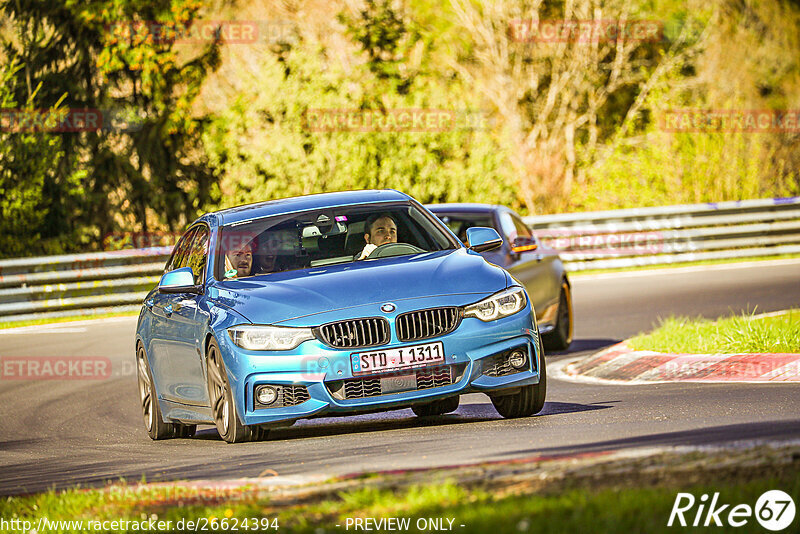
(460, 222)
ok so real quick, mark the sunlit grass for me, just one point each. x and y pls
(739, 334)
(611, 510)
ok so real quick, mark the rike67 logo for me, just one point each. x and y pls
(774, 510)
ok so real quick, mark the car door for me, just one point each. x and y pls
(178, 364)
(160, 334)
(530, 267)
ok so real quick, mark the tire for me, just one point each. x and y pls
(148, 400)
(439, 407)
(560, 338)
(529, 401)
(223, 408)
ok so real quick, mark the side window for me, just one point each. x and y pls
(178, 258)
(522, 228)
(508, 226)
(198, 253)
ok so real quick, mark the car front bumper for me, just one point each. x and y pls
(473, 351)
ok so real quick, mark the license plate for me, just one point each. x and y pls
(374, 361)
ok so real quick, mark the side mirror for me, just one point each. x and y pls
(481, 239)
(179, 281)
(524, 244)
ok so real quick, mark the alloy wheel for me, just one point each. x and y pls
(218, 390)
(565, 313)
(145, 389)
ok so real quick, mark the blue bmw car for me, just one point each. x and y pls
(337, 303)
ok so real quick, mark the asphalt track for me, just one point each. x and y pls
(58, 433)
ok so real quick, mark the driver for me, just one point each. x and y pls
(381, 229)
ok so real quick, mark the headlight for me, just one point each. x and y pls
(255, 337)
(503, 304)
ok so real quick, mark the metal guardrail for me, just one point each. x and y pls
(672, 234)
(116, 281)
(78, 284)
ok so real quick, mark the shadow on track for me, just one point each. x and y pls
(555, 408)
(356, 424)
(717, 435)
(400, 419)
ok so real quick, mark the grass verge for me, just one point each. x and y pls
(738, 334)
(53, 320)
(628, 495)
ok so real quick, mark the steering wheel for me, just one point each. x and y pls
(393, 249)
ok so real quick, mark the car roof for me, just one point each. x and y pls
(465, 208)
(296, 204)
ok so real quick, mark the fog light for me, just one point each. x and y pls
(517, 359)
(266, 395)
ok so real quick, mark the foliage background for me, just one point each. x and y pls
(543, 127)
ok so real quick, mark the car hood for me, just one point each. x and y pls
(281, 297)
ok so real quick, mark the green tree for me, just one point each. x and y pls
(267, 148)
(34, 199)
(133, 174)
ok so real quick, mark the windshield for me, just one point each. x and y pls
(460, 222)
(325, 237)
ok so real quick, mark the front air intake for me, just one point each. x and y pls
(425, 324)
(355, 333)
